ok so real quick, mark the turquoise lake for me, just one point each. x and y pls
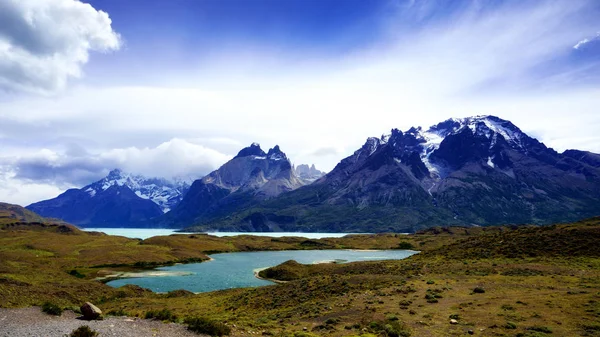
(236, 270)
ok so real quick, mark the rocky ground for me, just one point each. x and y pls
(33, 322)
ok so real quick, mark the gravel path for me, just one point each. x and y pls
(33, 322)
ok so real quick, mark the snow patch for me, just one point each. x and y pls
(91, 192)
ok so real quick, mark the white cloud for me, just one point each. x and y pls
(45, 173)
(586, 41)
(176, 157)
(498, 62)
(23, 193)
(44, 43)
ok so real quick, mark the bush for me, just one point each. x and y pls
(52, 309)
(206, 326)
(391, 328)
(119, 312)
(77, 274)
(510, 325)
(84, 331)
(161, 315)
(543, 329)
(479, 290)
(405, 245)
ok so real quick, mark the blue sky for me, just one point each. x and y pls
(169, 88)
(191, 33)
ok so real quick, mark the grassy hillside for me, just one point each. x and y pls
(14, 213)
(497, 281)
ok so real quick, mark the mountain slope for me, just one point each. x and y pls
(250, 177)
(119, 199)
(10, 213)
(473, 171)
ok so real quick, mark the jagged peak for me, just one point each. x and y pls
(252, 150)
(276, 154)
(116, 172)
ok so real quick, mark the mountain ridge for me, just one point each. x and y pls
(119, 199)
(479, 170)
(251, 176)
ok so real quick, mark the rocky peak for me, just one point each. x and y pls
(308, 173)
(252, 150)
(276, 154)
(114, 174)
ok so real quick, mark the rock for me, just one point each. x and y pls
(471, 332)
(453, 321)
(90, 311)
(305, 328)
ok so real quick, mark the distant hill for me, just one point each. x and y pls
(10, 213)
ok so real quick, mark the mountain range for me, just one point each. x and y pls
(479, 170)
(124, 199)
(251, 177)
(119, 199)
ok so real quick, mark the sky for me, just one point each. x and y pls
(177, 88)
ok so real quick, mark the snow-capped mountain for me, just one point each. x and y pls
(165, 193)
(478, 170)
(119, 199)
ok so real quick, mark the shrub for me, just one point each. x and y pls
(479, 290)
(391, 328)
(77, 274)
(507, 307)
(430, 282)
(119, 312)
(510, 325)
(543, 329)
(161, 315)
(391, 317)
(83, 331)
(405, 303)
(52, 309)
(405, 245)
(206, 326)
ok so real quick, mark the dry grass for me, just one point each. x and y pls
(543, 278)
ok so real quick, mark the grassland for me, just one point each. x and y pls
(530, 281)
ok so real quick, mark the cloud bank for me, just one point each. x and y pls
(44, 43)
(513, 59)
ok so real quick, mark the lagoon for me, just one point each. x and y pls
(236, 270)
(144, 233)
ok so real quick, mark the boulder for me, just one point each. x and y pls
(90, 311)
(453, 321)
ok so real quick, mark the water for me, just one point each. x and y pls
(144, 233)
(134, 233)
(236, 270)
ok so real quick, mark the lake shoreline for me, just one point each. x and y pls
(238, 269)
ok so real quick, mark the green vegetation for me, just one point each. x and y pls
(206, 326)
(84, 331)
(52, 309)
(161, 315)
(526, 281)
(14, 213)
